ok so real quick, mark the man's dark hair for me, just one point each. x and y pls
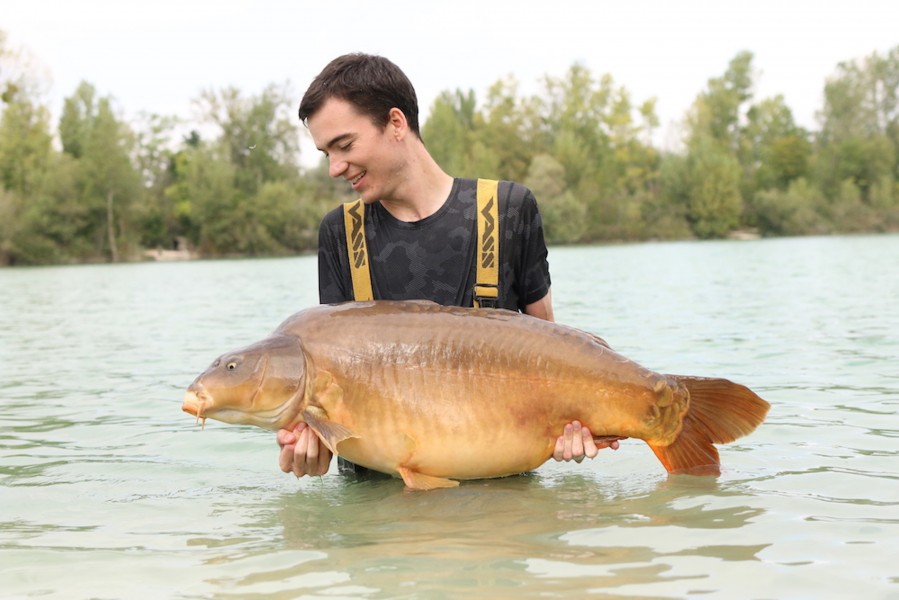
(372, 84)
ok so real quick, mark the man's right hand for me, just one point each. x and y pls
(302, 453)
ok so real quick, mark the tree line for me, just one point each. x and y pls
(230, 183)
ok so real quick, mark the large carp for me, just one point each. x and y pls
(435, 394)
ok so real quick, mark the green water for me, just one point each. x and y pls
(108, 490)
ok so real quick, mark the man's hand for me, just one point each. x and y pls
(302, 453)
(576, 442)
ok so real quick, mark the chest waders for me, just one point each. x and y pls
(486, 288)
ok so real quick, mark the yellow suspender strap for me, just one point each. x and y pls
(486, 289)
(354, 220)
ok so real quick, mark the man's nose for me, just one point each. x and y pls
(336, 167)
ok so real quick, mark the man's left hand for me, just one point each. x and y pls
(576, 442)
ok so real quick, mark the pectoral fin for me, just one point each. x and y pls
(329, 432)
(326, 394)
(418, 481)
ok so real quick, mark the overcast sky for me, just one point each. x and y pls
(157, 55)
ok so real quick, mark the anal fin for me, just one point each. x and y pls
(419, 481)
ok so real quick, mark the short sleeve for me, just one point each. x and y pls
(333, 263)
(529, 255)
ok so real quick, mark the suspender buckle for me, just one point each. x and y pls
(486, 295)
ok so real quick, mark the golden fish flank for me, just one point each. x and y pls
(427, 393)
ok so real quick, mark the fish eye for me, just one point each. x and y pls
(231, 365)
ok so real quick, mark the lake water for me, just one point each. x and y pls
(108, 490)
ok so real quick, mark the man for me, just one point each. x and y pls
(420, 223)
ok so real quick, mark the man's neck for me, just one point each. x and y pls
(424, 189)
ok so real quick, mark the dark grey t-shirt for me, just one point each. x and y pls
(434, 258)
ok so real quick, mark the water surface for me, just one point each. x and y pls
(107, 490)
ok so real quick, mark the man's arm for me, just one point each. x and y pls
(542, 308)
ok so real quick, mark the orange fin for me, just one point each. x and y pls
(720, 412)
(418, 481)
(330, 433)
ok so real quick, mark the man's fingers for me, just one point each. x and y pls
(300, 457)
(559, 450)
(287, 440)
(608, 441)
(311, 446)
(310, 456)
(577, 441)
(589, 447)
(285, 460)
(286, 437)
(566, 442)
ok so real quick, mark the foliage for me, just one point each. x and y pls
(100, 187)
(794, 211)
(564, 218)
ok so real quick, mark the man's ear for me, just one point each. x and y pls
(396, 120)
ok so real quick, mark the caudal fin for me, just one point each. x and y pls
(720, 412)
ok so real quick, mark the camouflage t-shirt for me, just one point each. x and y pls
(435, 258)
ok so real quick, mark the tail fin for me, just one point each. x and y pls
(720, 412)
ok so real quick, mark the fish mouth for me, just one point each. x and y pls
(196, 404)
(200, 403)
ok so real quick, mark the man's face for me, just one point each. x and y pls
(358, 151)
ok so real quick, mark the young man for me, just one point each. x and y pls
(420, 223)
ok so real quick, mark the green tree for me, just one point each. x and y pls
(26, 159)
(574, 108)
(240, 186)
(155, 150)
(505, 135)
(51, 224)
(594, 130)
(449, 131)
(26, 154)
(665, 214)
(564, 218)
(774, 150)
(259, 134)
(109, 185)
(26, 144)
(715, 145)
(796, 210)
(204, 198)
(714, 204)
(719, 109)
(859, 138)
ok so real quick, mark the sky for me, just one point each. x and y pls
(158, 56)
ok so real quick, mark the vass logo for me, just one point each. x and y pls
(356, 235)
(488, 249)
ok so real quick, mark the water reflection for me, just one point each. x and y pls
(534, 530)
